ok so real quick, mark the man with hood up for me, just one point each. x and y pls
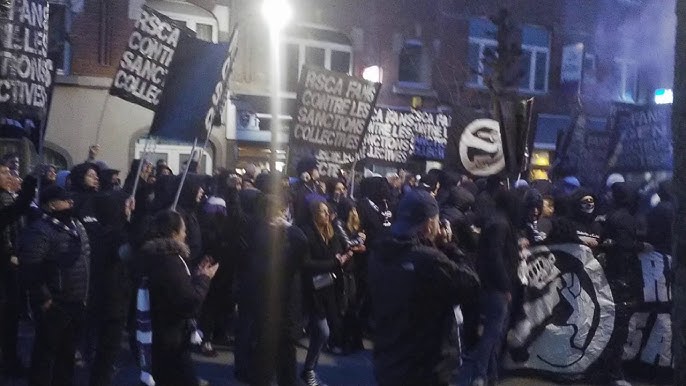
(192, 194)
(414, 288)
(497, 269)
(622, 243)
(578, 225)
(456, 209)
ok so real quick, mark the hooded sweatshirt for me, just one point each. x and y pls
(622, 228)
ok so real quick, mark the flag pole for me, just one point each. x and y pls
(185, 173)
(143, 158)
(102, 117)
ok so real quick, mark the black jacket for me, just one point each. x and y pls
(321, 256)
(276, 284)
(175, 294)
(55, 259)
(622, 228)
(498, 254)
(414, 289)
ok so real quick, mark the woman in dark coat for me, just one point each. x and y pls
(326, 256)
(175, 297)
(347, 226)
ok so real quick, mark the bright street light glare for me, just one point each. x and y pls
(373, 74)
(277, 13)
(664, 96)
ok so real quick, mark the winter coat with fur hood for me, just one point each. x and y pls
(175, 294)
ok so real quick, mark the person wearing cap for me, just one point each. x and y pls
(414, 287)
(55, 257)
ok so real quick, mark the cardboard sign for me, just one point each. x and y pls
(331, 117)
(395, 135)
(145, 64)
(642, 137)
(26, 71)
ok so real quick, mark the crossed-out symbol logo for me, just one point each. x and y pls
(481, 149)
(568, 315)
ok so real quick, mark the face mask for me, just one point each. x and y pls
(587, 205)
(336, 196)
(63, 215)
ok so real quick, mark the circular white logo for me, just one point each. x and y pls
(481, 149)
(568, 315)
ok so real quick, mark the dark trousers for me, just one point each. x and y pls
(172, 364)
(483, 360)
(110, 321)
(10, 306)
(615, 347)
(108, 346)
(245, 332)
(218, 306)
(57, 330)
(275, 357)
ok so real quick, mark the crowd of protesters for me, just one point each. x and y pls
(423, 267)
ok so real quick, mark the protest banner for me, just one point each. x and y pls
(146, 62)
(642, 138)
(397, 134)
(194, 86)
(331, 118)
(568, 316)
(474, 145)
(26, 71)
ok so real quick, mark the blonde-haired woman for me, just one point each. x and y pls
(326, 257)
(349, 227)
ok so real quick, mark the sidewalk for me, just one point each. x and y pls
(352, 370)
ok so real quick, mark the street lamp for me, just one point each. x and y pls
(277, 13)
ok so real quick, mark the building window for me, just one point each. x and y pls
(176, 154)
(59, 48)
(265, 122)
(203, 31)
(535, 59)
(296, 52)
(482, 34)
(410, 67)
(625, 75)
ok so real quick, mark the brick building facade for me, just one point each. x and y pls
(428, 51)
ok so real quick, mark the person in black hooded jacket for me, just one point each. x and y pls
(623, 243)
(191, 196)
(274, 278)
(497, 268)
(578, 225)
(456, 208)
(55, 256)
(85, 187)
(415, 287)
(117, 283)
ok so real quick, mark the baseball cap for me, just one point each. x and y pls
(413, 210)
(54, 192)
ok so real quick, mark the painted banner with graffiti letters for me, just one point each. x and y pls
(568, 317)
